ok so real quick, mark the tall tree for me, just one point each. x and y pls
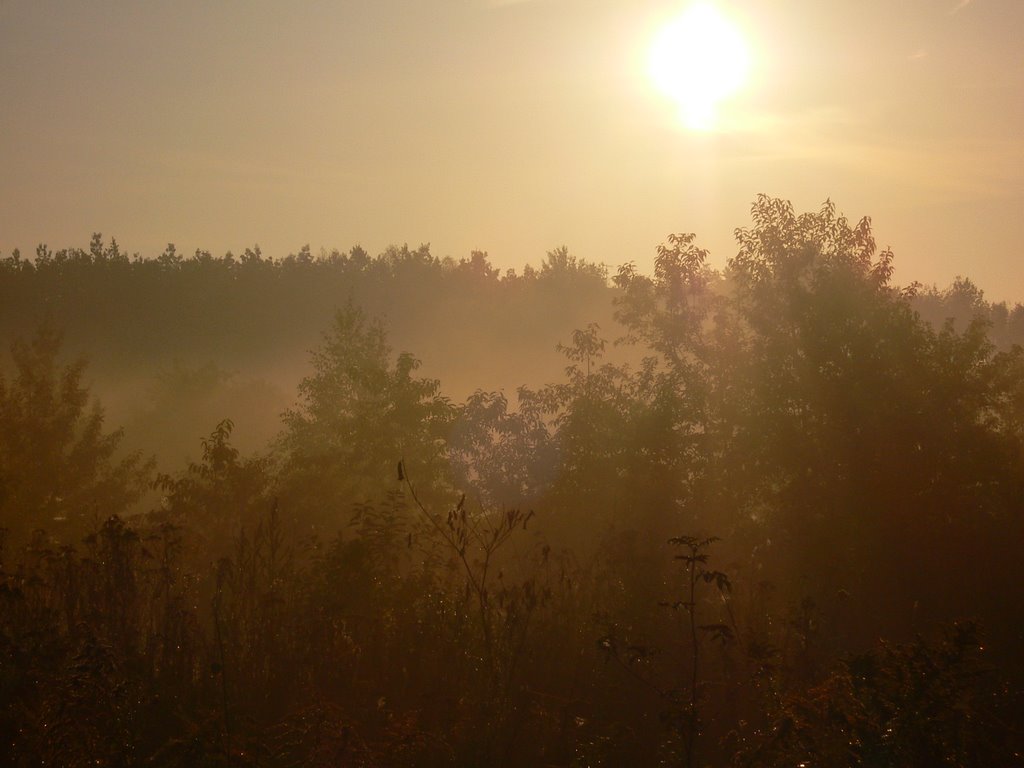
(824, 415)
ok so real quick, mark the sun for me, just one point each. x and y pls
(699, 59)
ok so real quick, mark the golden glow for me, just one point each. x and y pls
(697, 60)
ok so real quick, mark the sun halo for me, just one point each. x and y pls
(699, 59)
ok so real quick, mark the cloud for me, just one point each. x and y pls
(960, 6)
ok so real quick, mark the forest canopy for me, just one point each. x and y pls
(765, 515)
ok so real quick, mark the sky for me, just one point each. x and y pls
(510, 126)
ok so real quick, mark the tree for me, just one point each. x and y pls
(58, 469)
(221, 495)
(359, 414)
(869, 428)
(824, 415)
(621, 438)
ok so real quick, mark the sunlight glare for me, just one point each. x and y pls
(698, 59)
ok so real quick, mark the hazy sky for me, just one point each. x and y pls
(512, 127)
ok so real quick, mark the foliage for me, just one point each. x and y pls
(358, 412)
(305, 606)
(919, 703)
(220, 495)
(58, 469)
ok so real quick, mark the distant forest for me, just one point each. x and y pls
(342, 510)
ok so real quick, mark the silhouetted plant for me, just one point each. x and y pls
(683, 698)
(697, 572)
(503, 610)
